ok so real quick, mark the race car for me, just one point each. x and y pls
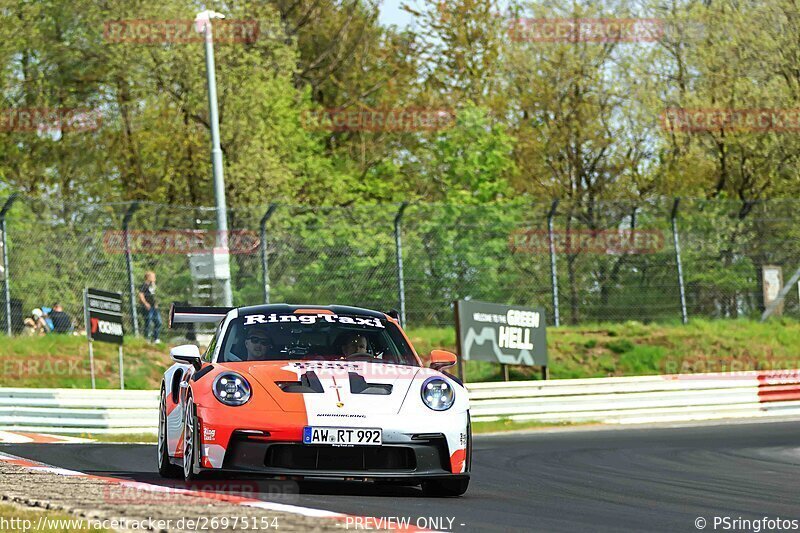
(307, 391)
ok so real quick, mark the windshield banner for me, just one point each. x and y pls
(313, 319)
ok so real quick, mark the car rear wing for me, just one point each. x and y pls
(196, 315)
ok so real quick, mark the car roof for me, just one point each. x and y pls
(287, 308)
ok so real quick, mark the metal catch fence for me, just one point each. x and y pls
(608, 261)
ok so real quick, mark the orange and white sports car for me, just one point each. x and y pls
(313, 391)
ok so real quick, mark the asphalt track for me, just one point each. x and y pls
(633, 479)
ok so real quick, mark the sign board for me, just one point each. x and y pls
(506, 334)
(772, 283)
(214, 266)
(103, 316)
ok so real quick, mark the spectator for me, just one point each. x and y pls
(46, 317)
(147, 297)
(62, 323)
(35, 324)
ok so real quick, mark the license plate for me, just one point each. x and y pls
(342, 436)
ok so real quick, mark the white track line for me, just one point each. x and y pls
(13, 438)
(25, 437)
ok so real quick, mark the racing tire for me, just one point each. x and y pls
(189, 442)
(445, 488)
(165, 467)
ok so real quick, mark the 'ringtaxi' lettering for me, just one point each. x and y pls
(313, 319)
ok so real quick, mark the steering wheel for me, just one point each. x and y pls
(360, 356)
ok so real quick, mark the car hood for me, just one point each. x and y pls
(342, 387)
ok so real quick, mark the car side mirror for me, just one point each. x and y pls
(188, 354)
(442, 359)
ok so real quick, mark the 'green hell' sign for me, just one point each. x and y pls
(507, 334)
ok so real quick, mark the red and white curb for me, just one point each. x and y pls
(25, 437)
(227, 498)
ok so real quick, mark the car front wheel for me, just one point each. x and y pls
(165, 467)
(189, 441)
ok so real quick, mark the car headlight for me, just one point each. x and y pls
(231, 389)
(438, 394)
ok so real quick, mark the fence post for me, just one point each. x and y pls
(398, 245)
(264, 263)
(676, 242)
(6, 275)
(553, 271)
(126, 220)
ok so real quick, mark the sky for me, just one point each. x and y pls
(392, 14)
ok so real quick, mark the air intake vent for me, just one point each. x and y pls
(328, 458)
(309, 384)
(358, 385)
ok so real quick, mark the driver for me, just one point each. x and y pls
(353, 343)
(258, 344)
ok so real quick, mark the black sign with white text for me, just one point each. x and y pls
(103, 316)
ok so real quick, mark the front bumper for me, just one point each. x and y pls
(438, 448)
(418, 459)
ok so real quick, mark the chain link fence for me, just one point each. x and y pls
(612, 261)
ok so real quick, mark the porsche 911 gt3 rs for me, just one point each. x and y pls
(312, 391)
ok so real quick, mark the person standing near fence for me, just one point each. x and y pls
(62, 323)
(147, 297)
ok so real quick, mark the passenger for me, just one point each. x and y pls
(354, 343)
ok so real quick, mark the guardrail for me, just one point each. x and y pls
(76, 411)
(631, 400)
(626, 400)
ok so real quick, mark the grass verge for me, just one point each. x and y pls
(510, 425)
(599, 350)
(636, 349)
(124, 437)
(62, 361)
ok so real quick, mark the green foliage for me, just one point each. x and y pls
(640, 360)
(578, 121)
(620, 346)
(470, 161)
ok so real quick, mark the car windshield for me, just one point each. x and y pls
(318, 336)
